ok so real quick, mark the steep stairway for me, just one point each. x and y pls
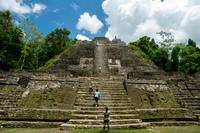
(184, 97)
(10, 96)
(113, 95)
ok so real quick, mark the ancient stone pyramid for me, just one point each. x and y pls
(102, 57)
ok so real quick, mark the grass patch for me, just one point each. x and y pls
(179, 129)
(51, 61)
(138, 51)
(9, 89)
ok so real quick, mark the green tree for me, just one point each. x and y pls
(161, 58)
(56, 41)
(146, 45)
(11, 42)
(175, 57)
(33, 45)
(190, 58)
(191, 43)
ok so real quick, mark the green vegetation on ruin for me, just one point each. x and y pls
(59, 98)
(53, 60)
(9, 89)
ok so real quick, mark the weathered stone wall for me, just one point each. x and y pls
(159, 114)
(32, 114)
(41, 90)
(151, 94)
(71, 62)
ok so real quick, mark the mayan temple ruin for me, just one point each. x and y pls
(137, 92)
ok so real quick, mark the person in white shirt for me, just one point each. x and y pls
(96, 97)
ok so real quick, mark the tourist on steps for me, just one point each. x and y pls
(106, 118)
(96, 97)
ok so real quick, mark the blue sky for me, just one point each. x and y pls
(126, 19)
(65, 13)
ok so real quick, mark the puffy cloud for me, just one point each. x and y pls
(82, 37)
(131, 19)
(19, 7)
(37, 8)
(89, 23)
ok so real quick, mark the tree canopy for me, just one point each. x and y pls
(182, 57)
(11, 42)
(23, 47)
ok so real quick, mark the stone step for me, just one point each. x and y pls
(105, 88)
(191, 98)
(192, 104)
(8, 106)
(9, 100)
(101, 83)
(29, 124)
(103, 107)
(104, 104)
(193, 107)
(111, 98)
(100, 122)
(120, 126)
(106, 98)
(101, 80)
(105, 80)
(180, 95)
(100, 112)
(197, 111)
(7, 103)
(191, 101)
(102, 101)
(174, 123)
(9, 95)
(14, 99)
(102, 93)
(105, 95)
(100, 117)
(102, 87)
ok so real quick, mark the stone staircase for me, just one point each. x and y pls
(113, 95)
(9, 98)
(184, 97)
(9, 101)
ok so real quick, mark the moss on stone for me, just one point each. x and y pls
(9, 89)
(158, 98)
(57, 98)
(37, 114)
(163, 113)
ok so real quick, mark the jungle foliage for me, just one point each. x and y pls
(23, 47)
(182, 57)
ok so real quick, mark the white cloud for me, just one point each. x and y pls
(37, 8)
(82, 37)
(89, 23)
(75, 6)
(19, 7)
(131, 19)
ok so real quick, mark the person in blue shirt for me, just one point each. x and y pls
(96, 97)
